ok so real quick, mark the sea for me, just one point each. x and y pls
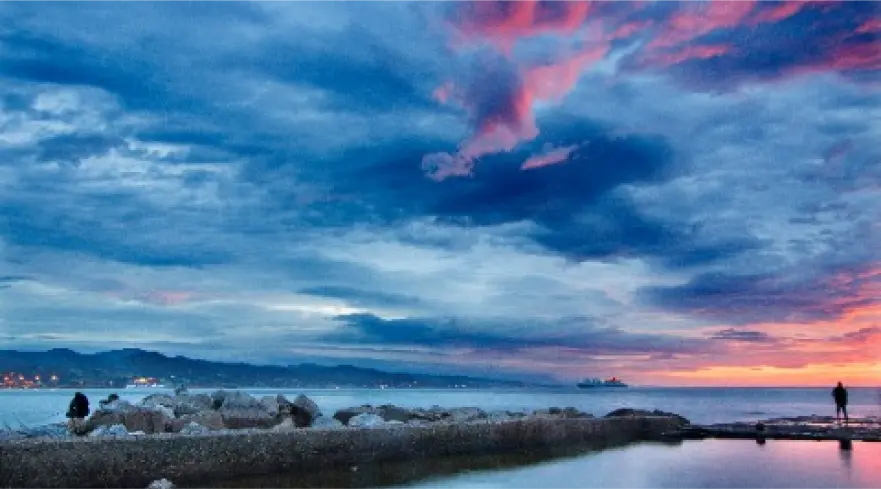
(700, 463)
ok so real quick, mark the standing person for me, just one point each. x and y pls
(840, 395)
(77, 412)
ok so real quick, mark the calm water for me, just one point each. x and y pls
(701, 405)
(706, 463)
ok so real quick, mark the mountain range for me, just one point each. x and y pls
(117, 368)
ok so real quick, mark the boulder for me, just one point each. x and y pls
(271, 404)
(284, 405)
(134, 418)
(326, 422)
(389, 413)
(366, 420)
(304, 411)
(11, 435)
(192, 404)
(466, 414)
(212, 420)
(628, 412)
(240, 410)
(436, 413)
(193, 428)
(286, 425)
(155, 400)
(109, 430)
(345, 414)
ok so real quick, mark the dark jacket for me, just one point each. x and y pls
(79, 406)
(840, 395)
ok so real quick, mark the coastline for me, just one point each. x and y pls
(135, 461)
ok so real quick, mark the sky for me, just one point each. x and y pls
(671, 193)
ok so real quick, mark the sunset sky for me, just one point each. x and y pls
(672, 193)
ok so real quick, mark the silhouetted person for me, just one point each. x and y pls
(839, 393)
(77, 412)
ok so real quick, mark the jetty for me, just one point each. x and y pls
(816, 428)
(135, 461)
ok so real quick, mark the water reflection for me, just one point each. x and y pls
(706, 463)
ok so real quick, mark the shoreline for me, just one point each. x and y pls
(198, 459)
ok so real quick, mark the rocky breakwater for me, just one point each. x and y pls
(201, 413)
(813, 427)
(240, 436)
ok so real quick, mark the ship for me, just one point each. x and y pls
(595, 383)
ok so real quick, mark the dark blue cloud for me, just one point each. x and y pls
(71, 148)
(731, 334)
(75, 230)
(761, 297)
(818, 37)
(582, 335)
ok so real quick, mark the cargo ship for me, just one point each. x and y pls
(594, 383)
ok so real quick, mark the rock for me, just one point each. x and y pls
(161, 484)
(465, 414)
(499, 416)
(304, 410)
(118, 406)
(237, 400)
(628, 412)
(541, 413)
(156, 400)
(389, 413)
(110, 430)
(571, 412)
(366, 420)
(271, 404)
(436, 413)
(110, 398)
(194, 429)
(11, 435)
(286, 425)
(209, 419)
(240, 410)
(326, 422)
(345, 414)
(284, 405)
(193, 404)
(134, 418)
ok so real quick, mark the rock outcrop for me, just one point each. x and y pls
(304, 411)
(149, 419)
(628, 412)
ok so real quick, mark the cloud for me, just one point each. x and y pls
(732, 334)
(551, 157)
(507, 335)
(750, 298)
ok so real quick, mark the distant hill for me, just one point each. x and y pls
(117, 368)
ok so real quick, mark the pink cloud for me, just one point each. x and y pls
(779, 12)
(686, 53)
(505, 23)
(552, 157)
(871, 25)
(501, 103)
(701, 18)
